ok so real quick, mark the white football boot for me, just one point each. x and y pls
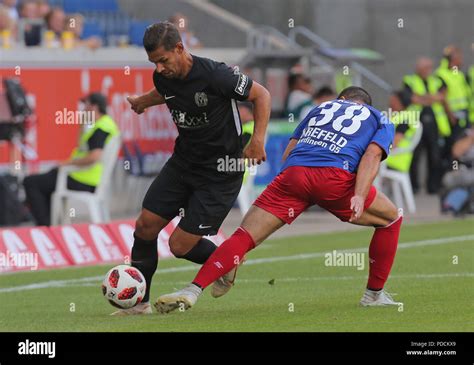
(377, 298)
(142, 308)
(222, 285)
(182, 299)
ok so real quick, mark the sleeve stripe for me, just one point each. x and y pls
(238, 124)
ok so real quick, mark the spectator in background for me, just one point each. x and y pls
(470, 79)
(187, 36)
(29, 11)
(406, 124)
(463, 151)
(6, 23)
(75, 25)
(245, 111)
(299, 95)
(10, 6)
(55, 25)
(426, 93)
(323, 94)
(56, 21)
(43, 8)
(458, 93)
(87, 155)
(247, 119)
(8, 28)
(458, 184)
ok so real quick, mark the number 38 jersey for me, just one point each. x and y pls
(337, 133)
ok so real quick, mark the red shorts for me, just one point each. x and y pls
(299, 187)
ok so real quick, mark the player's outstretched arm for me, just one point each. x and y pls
(366, 172)
(140, 103)
(261, 99)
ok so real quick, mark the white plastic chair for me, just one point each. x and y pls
(97, 202)
(400, 181)
(246, 194)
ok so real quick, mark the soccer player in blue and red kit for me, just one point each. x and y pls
(331, 160)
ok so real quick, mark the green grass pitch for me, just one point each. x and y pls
(284, 286)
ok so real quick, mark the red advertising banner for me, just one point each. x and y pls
(123, 231)
(30, 249)
(36, 248)
(89, 244)
(55, 94)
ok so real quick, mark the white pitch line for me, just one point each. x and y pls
(316, 278)
(405, 245)
(437, 241)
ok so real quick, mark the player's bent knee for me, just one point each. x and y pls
(178, 251)
(146, 229)
(389, 216)
(393, 214)
(383, 210)
(177, 247)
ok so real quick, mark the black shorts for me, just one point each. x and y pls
(201, 200)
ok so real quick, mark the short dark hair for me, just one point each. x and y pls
(97, 99)
(356, 93)
(162, 34)
(403, 97)
(293, 78)
(47, 17)
(323, 91)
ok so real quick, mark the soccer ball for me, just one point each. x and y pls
(124, 286)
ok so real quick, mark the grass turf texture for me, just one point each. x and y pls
(298, 294)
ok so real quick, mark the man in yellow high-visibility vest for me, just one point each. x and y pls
(425, 93)
(96, 133)
(470, 76)
(458, 92)
(406, 122)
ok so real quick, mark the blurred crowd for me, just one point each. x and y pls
(440, 99)
(37, 23)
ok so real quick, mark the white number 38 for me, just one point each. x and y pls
(328, 116)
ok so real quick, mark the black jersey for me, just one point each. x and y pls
(203, 106)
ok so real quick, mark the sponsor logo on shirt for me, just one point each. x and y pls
(241, 84)
(184, 120)
(323, 138)
(200, 99)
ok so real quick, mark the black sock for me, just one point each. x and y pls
(199, 286)
(145, 259)
(200, 252)
(374, 289)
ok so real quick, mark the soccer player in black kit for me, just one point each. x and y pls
(201, 95)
